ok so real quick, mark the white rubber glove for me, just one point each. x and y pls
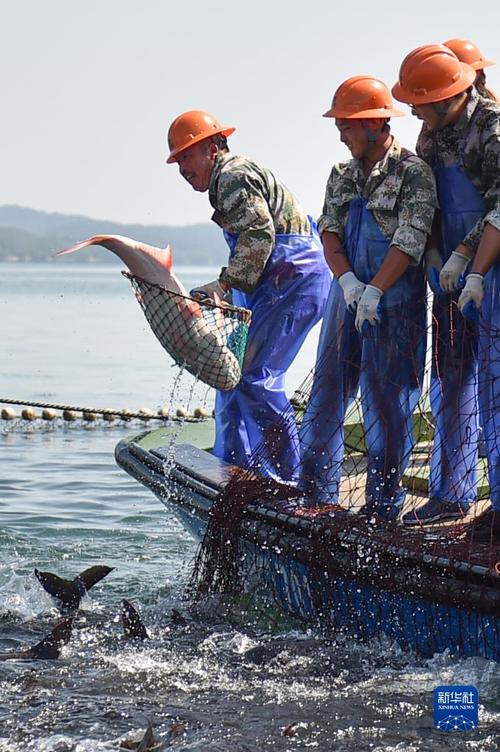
(368, 307)
(352, 289)
(451, 271)
(473, 291)
(208, 291)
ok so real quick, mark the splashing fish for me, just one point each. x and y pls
(132, 622)
(192, 333)
(49, 648)
(70, 592)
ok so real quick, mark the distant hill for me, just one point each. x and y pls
(30, 235)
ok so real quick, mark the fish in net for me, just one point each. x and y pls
(207, 339)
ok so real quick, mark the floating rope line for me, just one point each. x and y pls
(199, 413)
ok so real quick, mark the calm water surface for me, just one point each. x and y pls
(231, 678)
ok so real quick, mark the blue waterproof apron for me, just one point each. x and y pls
(489, 378)
(454, 376)
(256, 418)
(387, 364)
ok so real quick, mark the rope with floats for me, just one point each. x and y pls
(70, 412)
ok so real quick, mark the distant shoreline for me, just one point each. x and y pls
(31, 236)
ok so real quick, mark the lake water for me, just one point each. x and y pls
(218, 679)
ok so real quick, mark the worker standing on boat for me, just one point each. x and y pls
(276, 269)
(464, 152)
(467, 52)
(482, 292)
(377, 215)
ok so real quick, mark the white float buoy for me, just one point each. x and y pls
(201, 412)
(48, 414)
(164, 412)
(8, 413)
(69, 415)
(126, 414)
(89, 417)
(181, 412)
(108, 417)
(28, 413)
(145, 413)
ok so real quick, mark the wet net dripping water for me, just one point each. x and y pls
(206, 339)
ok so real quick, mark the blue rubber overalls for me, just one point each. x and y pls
(454, 377)
(256, 416)
(489, 378)
(387, 364)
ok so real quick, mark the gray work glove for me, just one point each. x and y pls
(471, 297)
(368, 312)
(352, 288)
(452, 270)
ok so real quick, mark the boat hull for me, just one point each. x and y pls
(322, 568)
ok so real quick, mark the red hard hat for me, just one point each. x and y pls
(469, 53)
(432, 73)
(191, 127)
(362, 97)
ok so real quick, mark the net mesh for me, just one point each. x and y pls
(206, 339)
(329, 559)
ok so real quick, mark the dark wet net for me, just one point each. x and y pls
(337, 544)
(207, 340)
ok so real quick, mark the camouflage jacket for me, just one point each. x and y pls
(400, 193)
(249, 201)
(474, 143)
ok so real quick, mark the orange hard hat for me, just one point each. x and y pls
(469, 53)
(362, 97)
(432, 73)
(191, 127)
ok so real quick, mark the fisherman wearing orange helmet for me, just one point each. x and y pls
(464, 152)
(378, 212)
(276, 269)
(468, 52)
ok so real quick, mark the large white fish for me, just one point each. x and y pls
(194, 334)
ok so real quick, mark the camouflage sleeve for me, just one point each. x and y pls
(417, 204)
(245, 212)
(424, 146)
(490, 178)
(333, 216)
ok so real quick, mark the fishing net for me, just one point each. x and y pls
(206, 339)
(349, 541)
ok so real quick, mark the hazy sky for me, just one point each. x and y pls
(89, 90)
